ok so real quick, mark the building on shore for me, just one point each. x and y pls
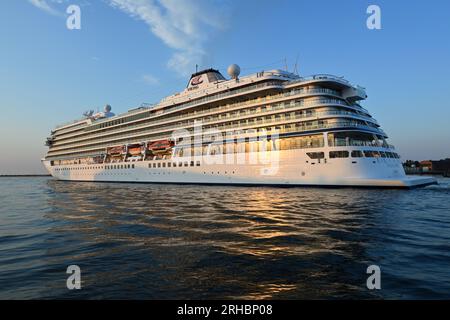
(426, 165)
(441, 167)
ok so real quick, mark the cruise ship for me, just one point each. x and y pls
(269, 128)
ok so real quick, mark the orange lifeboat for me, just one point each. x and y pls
(115, 151)
(160, 146)
(135, 149)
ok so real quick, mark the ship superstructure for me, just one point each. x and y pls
(272, 127)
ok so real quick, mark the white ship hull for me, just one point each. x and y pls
(292, 168)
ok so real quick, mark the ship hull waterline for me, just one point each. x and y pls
(366, 173)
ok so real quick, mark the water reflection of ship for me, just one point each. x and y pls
(285, 241)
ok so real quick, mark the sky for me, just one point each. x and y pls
(133, 51)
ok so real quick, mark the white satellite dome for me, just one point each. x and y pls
(107, 108)
(234, 71)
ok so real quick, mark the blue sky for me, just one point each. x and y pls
(133, 51)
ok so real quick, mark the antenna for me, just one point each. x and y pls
(296, 65)
(285, 64)
(196, 68)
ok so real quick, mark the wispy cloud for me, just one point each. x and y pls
(51, 6)
(45, 6)
(182, 25)
(150, 80)
(185, 26)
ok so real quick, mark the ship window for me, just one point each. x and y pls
(192, 163)
(316, 155)
(132, 166)
(169, 164)
(357, 154)
(383, 154)
(159, 164)
(369, 154)
(180, 164)
(186, 164)
(198, 163)
(338, 154)
(174, 164)
(164, 164)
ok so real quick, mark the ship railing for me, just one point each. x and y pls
(244, 103)
(276, 107)
(360, 143)
(321, 77)
(147, 106)
(361, 108)
(258, 100)
(293, 127)
(70, 122)
(226, 94)
(188, 104)
(80, 120)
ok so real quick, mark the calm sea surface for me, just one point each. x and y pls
(196, 242)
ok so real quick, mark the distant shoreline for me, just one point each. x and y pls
(23, 175)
